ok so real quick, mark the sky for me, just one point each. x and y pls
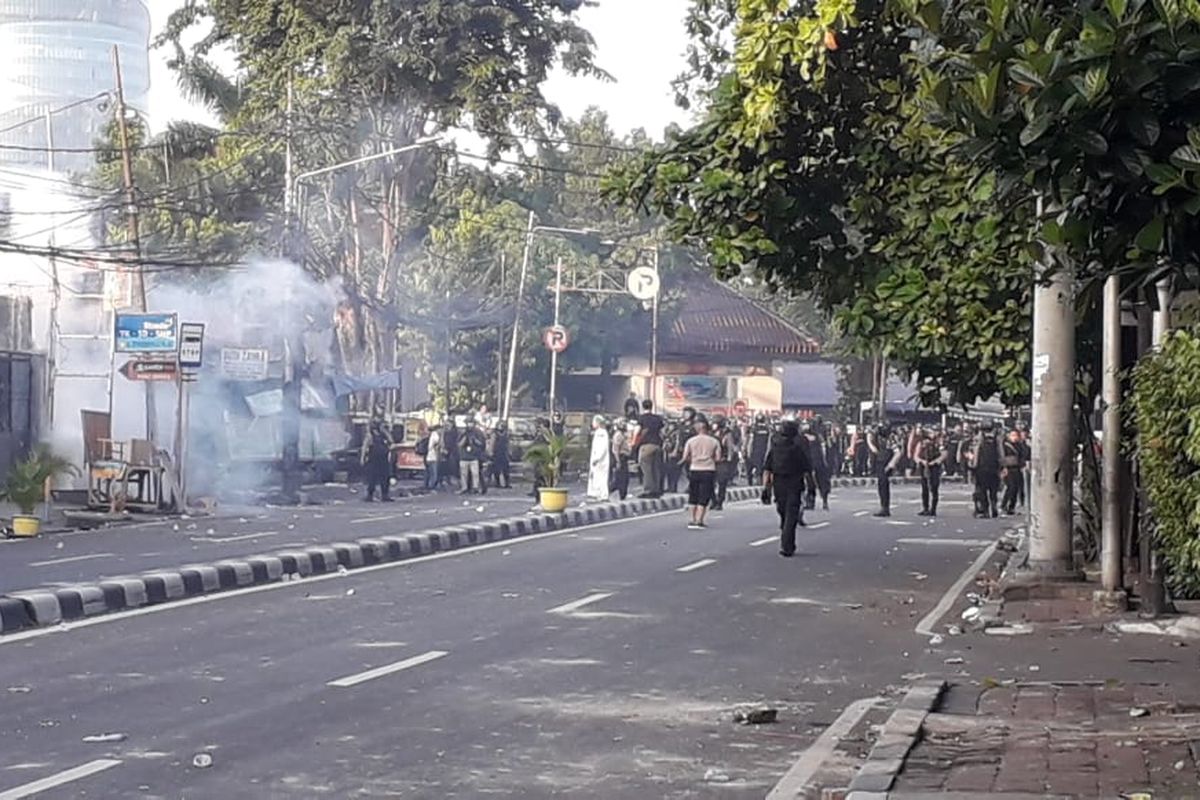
(641, 43)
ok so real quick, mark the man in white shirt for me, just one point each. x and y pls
(433, 458)
(700, 455)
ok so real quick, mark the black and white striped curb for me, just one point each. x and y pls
(41, 607)
(900, 733)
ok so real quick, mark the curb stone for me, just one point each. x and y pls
(900, 733)
(44, 607)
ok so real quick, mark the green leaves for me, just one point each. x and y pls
(1186, 157)
(1036, 129)
(1150, 238)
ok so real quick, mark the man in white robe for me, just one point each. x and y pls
(598, 472)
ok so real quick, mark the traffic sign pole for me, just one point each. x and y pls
(554, 350)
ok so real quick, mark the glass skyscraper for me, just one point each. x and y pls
(58, 53)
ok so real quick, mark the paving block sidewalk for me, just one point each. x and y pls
(1064, 740)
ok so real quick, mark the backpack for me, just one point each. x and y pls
(423, 446)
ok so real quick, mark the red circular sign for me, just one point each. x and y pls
(556, 338)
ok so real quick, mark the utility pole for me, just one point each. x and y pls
(55, 293)
(1050, 530)
(500, 337)
(293, 370)
(1112, 572)
(131, 219)
(512, 353)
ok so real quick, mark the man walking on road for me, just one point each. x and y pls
(987, 474)
(727, 464)
(621, 453)
(784, 470)
(433, 457)
(376, 459)
(758, 442)
(930, 455)
(1012, 461)
(649, 444)
(471, 452)
(700, 454)
(887, 457)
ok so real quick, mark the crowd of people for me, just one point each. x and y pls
(794, 461)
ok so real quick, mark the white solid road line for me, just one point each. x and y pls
(381, 518)
(925, 626)
(104, 619)
(223, 539)
(389, 669)
(54, 561)
(575, 605)
(791, 786)
(695, 565)
(766, 541)
(67, 776)
(948, 542)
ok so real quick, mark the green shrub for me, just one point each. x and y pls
(1166, 408)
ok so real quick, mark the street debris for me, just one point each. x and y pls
(19, 690)
(480, 509)
(202, 761)
(1137, 711)
(971, 614)
(757, 715)
(349, 592)
(1012, 629)
(105, 738)
(936, 640)
(59, 546)
(715, 776)
(1034, 668)
(920, 576)
(955, 630)
(342, 569)
(955, 660)
(506, 552)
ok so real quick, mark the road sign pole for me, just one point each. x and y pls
(654, 336)
(554, 351)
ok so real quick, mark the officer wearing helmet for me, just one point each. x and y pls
(728, 461)
(758, 443)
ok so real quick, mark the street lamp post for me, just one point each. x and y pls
(553, 352)
(294, 375)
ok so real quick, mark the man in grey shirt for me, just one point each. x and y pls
(701, 454)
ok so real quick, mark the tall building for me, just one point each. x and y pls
(58, 62)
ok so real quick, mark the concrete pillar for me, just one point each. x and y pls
(1111, 570)
(1162, 317)
(1053, 389)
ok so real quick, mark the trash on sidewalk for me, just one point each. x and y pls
(1138, 712)
(105, 738)
(202, 761)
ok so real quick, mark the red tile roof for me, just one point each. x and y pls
(716, 321)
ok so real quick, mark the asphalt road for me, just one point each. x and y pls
(597, 663)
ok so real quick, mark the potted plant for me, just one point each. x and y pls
(546, 459)
(26, 487)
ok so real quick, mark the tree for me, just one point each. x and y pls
(364, 77)
(814, 171)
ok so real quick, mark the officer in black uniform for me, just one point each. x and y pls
(784, 470)
(758, 443)
(886, 456)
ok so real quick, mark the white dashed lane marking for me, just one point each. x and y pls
(575, 605)
(766, 541)
(59, 779)
(695, 565)
(387, 669)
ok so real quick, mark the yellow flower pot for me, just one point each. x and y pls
(26, 527)
(552, 500)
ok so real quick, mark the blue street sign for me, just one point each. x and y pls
(147, 333)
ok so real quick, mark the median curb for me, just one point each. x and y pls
(900, 733)
(50, 606)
